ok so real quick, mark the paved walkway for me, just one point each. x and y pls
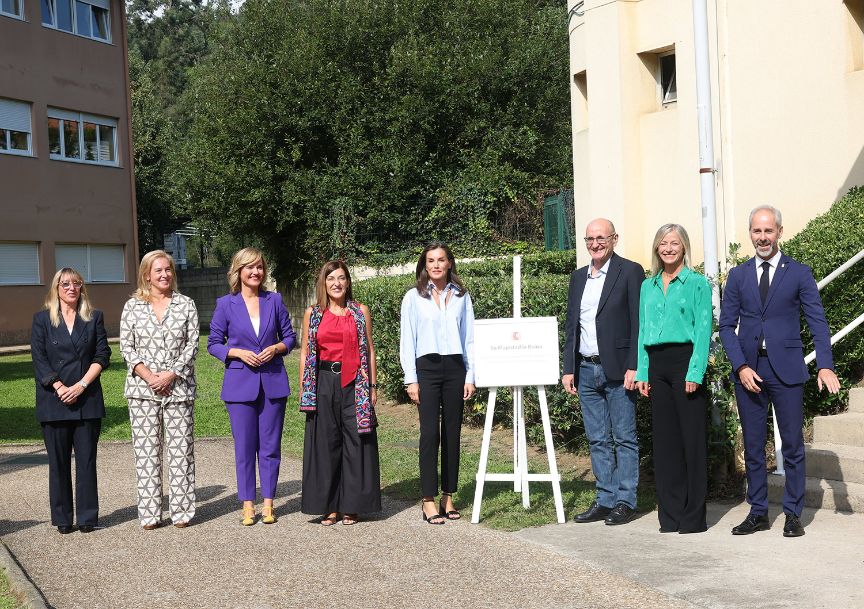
(396, 561)
(399, 561)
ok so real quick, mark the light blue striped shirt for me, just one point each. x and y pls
(426, 328)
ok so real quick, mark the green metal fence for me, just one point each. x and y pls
(558, 219)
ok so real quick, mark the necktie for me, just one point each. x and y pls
(763, 281)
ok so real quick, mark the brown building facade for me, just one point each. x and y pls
(67, 190)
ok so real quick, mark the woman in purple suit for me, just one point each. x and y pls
(251, 332)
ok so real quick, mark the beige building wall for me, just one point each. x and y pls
(787, 82)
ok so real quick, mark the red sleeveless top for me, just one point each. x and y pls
(337, 342)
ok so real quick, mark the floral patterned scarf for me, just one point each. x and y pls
(366, 419)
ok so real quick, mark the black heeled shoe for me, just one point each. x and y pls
(434, 518)
(448, 514)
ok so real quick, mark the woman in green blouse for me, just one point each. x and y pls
(675, 323)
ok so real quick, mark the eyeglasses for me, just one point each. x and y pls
(599, 240)
(71, 284)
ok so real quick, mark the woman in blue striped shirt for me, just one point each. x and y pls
(436, 351)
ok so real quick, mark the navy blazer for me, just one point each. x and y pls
(617, 319)
(57, 355)
(231, 327)
(792, 291)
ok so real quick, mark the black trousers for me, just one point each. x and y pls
(341, 472)
(61, 438)
(442, 385)
(678, 423)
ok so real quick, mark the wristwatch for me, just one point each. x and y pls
(83, 384)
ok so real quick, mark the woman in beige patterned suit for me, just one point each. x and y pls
(159, 340)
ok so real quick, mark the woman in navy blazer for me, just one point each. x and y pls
(251, 332)
(70, 349)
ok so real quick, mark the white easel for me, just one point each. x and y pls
(520, 475)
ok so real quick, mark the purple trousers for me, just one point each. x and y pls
(257, 430)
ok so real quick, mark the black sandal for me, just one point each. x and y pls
(449, 515)
(434, 518)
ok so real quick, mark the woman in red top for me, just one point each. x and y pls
(337, 371)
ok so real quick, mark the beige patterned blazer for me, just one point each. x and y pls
(171, 345)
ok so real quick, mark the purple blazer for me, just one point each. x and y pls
(231, 327)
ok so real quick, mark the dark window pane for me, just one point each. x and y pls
(2, 139)
(90, 151)
(48, 12)
(20, 140)
(100, 23)
(82, 19)
(53, 136)
(70, 140)
(64, 15)
(668, 82)
(106, 144)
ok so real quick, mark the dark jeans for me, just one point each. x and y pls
(609, 414)
(442, 383)
(61, 438)
(678, 423)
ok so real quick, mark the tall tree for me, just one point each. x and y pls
(324, 127)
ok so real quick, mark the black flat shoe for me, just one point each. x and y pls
(86, 528)
(752, 524)
(793, 527)
(595, 513)
(65, 529)
(620, 514)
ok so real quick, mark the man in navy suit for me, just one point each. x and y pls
(600, 359)
(764, 298)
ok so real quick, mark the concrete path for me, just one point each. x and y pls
(717, 570)
(395, 561)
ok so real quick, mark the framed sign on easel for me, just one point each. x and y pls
(517, 352)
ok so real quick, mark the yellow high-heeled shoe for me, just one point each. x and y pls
(267, 515)
(248, 517)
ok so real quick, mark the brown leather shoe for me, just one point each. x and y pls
(150, 527)
(181, 525)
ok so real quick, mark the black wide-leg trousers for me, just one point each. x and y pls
(678, 423)
(442, 385)
(341, 471)
(61, 438)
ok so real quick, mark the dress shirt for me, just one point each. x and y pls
(683, 314)
(773, 261)
(588, 310)
(427, 328)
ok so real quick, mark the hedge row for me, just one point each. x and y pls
(824, 244)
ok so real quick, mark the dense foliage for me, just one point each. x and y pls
(321, 128)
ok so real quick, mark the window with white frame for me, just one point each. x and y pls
(96, 263)
(12, 8)
(73, 136)
(19, 263)
(88, 18)
(15, 130)
(666, 78)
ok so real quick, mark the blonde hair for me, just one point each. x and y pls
(52, 298)
(656, 263)
(321, 296)
(247, 255)
(143, 291)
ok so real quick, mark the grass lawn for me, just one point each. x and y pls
(397, 438)
(7, 598)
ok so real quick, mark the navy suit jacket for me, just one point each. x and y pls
(57, 355)
(617, 319)
(231, 327)
(792, 292)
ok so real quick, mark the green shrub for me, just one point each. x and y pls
(824, 244)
